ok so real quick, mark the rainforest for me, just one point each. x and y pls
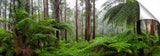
(76, 28)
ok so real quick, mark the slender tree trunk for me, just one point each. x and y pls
(27, 9)
(10, 15)
(94, 27)
(140, 33)
(32, 6)
(158, 30)
(103, 29)
(0, 6)
(61, 19)
(45, 4)
(152, 28)
(146, 25)
(5, 15)
(82, 25)
(77, 20)
(139, 27)
(56, 7)
(65, 20)
(0, 14)
(86, 20)
(14, 6)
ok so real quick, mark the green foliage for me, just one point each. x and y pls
(6, 43)
(123, 12)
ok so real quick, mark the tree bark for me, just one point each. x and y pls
(32, 6)
(56, 7)
(76, 20)
(0, 14)
(65, 20)
(146, 25)
(5, 15)
(0, 6)
(10, 15)
(158, 31)
(140, 33)
(45, 4)
(27, 9)
(94, 27)
(152, 28)
(86, 21)
(89, 20)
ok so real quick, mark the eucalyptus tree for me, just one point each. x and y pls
(88, 20)
(56, 10)
(76, 18)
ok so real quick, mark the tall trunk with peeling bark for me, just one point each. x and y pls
(76, 20)
(45, 4)
(94, 28)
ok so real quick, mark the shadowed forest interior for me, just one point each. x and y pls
(76, 28)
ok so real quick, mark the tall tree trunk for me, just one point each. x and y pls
(146, 25)
(89, 20)
(86, 20)
(158, 31)
(27, 9)
(61, 19)
(0, 14)
(76, 20)
(139, 27)
(152, 28)
(14, 6)
(65, 20)
(5, 15)
(82, 25)
(45, 4)
(56, 7)
(10, 15)
(32, 6)
(140, 33)
(0, 6)
(94, 27)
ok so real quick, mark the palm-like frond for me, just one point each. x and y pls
(123, 12)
